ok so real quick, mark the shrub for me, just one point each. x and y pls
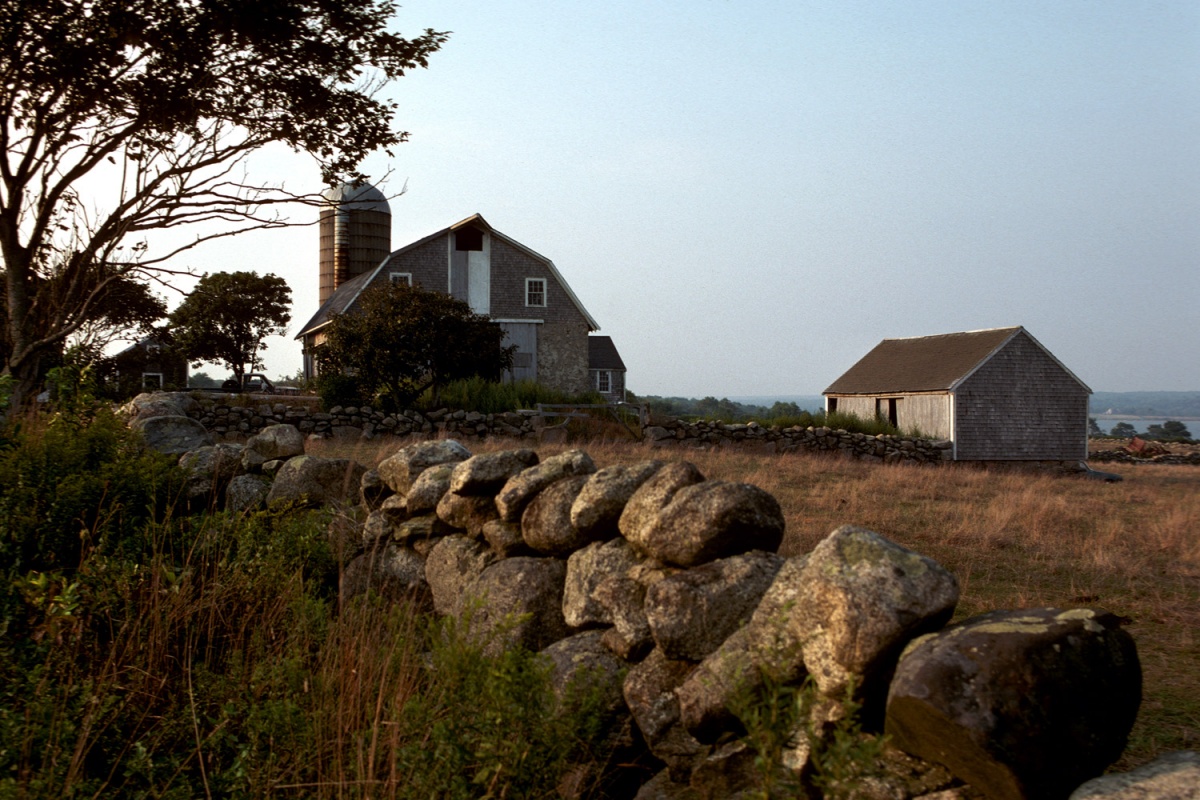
(336, 388)
(778, 716)
(492, 397)
(68, 485)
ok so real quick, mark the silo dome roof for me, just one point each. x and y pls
(360, 197)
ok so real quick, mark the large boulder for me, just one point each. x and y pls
(271, 443)
(546, 522)
(173, 434)
(429, 488)
(316, 481)
(710, 520)
(1019, 704)
(519, 603)
(1175, 776)
(587, 568)
(467, 512)
(692, 612)
(159, 404)
(210, 469)
(452, 565)
(505, 538)
(765, 647)
(652, 496)
(487, 473)
(391, 571)
(597, 509)
(247, 492)
(525, 485)
(400, 469)
(580, 663)
(862, 598)
(649, 690)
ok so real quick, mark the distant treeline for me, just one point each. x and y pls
(723, 409)
(1147, 404)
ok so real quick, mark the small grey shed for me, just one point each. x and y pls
(997, 394)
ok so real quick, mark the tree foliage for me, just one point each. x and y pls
(122, 117)
(1123, 430)
(1171, 429)
(227, 317)
(399, 341)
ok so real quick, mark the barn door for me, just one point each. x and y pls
(524, 336)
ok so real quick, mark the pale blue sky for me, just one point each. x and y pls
(749, 195)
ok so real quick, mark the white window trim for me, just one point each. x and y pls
(158, 375)
(407, 276)
(606, 375)
(545, 292)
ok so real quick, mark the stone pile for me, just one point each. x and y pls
(228, 421)
(666, 591)
(881, 447)
(1120, 456)
(233, 423)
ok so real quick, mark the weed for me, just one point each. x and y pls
(781, 728)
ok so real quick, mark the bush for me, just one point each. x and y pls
(70, 485)
(492, 397)
(335, 388)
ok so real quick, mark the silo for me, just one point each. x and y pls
(356, 234)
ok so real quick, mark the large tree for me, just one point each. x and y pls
(399, 341)
(122, 117)
(227, 317)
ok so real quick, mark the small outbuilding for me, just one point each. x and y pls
(149, 365)
(996, 394)
(606, 368)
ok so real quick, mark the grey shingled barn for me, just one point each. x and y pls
(520, 289)
(997, 394)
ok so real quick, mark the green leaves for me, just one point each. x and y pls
(228, 315)
(399, 341)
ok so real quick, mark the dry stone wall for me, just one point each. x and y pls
(236, 421)
(666, 591)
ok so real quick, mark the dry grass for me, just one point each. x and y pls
(1014, 539)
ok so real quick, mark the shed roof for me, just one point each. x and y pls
(922, 363)
(602, 353)
(348, 292)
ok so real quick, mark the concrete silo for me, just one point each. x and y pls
(356, 234)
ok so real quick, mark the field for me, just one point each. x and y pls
(1013, 539)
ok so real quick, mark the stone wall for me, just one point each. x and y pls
(885, 449)
(237, 421)
(666, 593)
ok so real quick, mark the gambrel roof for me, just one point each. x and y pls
(346, 295)
(927, 363)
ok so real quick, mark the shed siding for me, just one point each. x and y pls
(929, 413)
(861, 407)
(1021, 405)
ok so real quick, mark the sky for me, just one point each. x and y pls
(749, 195)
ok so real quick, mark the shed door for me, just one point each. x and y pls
(524, 336)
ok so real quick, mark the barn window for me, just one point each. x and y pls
(832, 405)
(535, 292)
(403, 278)
(152, 380)
(603, 381)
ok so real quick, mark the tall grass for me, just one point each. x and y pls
(491, 397)
(212, 655)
